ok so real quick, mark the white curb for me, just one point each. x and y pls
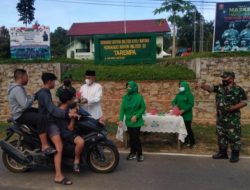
(178, 154)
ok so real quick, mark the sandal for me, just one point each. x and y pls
(49, 151)
(64, 181)
(76, 168)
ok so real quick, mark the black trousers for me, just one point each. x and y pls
(134, 140)
(35, 120)
(190, 137)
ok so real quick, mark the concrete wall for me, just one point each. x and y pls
(209, 70)
(157, 94)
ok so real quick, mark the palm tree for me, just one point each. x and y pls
(175, 7)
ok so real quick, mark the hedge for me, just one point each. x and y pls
(135, 72)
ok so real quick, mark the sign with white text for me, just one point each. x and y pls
(125, 48)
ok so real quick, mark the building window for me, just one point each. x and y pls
(81, 51)
(85, 47)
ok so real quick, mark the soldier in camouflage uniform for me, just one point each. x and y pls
(230, 98)
(231, 34)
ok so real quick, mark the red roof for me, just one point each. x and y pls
(117, 27)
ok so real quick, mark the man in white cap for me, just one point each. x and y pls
(91, 94)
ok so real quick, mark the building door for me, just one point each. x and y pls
(72, 55)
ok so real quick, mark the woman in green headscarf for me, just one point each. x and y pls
(132, 107)
(185, 101)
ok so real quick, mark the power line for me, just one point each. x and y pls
(96, 3)
(122, 2)
(150, 2)
(192, 1)
(109, 3)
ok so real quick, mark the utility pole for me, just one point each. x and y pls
(125, 22)
(174, 37)
(201, 48)
(194, 48)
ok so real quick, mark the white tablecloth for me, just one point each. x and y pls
(164, 124)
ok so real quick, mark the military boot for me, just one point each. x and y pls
(234, 156)
(222, 154)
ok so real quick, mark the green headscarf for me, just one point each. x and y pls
(132, 98)
(132, 88)
(186, 86)
(185, 101)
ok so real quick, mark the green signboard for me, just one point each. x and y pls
(125, 48)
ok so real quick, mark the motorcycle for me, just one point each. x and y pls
(21, 147)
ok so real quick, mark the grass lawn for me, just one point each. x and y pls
(119, 72)
(135, 72)
(206, 141)
(205, 136)
(204, 55)
(3, 127)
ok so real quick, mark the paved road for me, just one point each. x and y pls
(155, 173)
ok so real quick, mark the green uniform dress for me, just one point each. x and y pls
(133, 105)
(185, 101)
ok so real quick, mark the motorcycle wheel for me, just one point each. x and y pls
(11, 164)
(104, 164)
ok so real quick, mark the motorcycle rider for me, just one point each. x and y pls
(22, 112)
(47, 108)
(68, 134)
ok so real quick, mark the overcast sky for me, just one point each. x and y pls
(54, 13)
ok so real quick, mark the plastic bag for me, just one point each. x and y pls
(78, 95)
(176, 111)
(119, 134)
(153, 111)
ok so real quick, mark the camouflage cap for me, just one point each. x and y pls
(226, 74)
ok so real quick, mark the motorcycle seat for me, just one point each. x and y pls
(23, 127)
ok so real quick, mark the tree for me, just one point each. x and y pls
(187, 25)
(167, 38)
(37, 23)
(4, 42)
(186, 30)
(26, 11)
(175, 7)
(59, 41)
(209, 31)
